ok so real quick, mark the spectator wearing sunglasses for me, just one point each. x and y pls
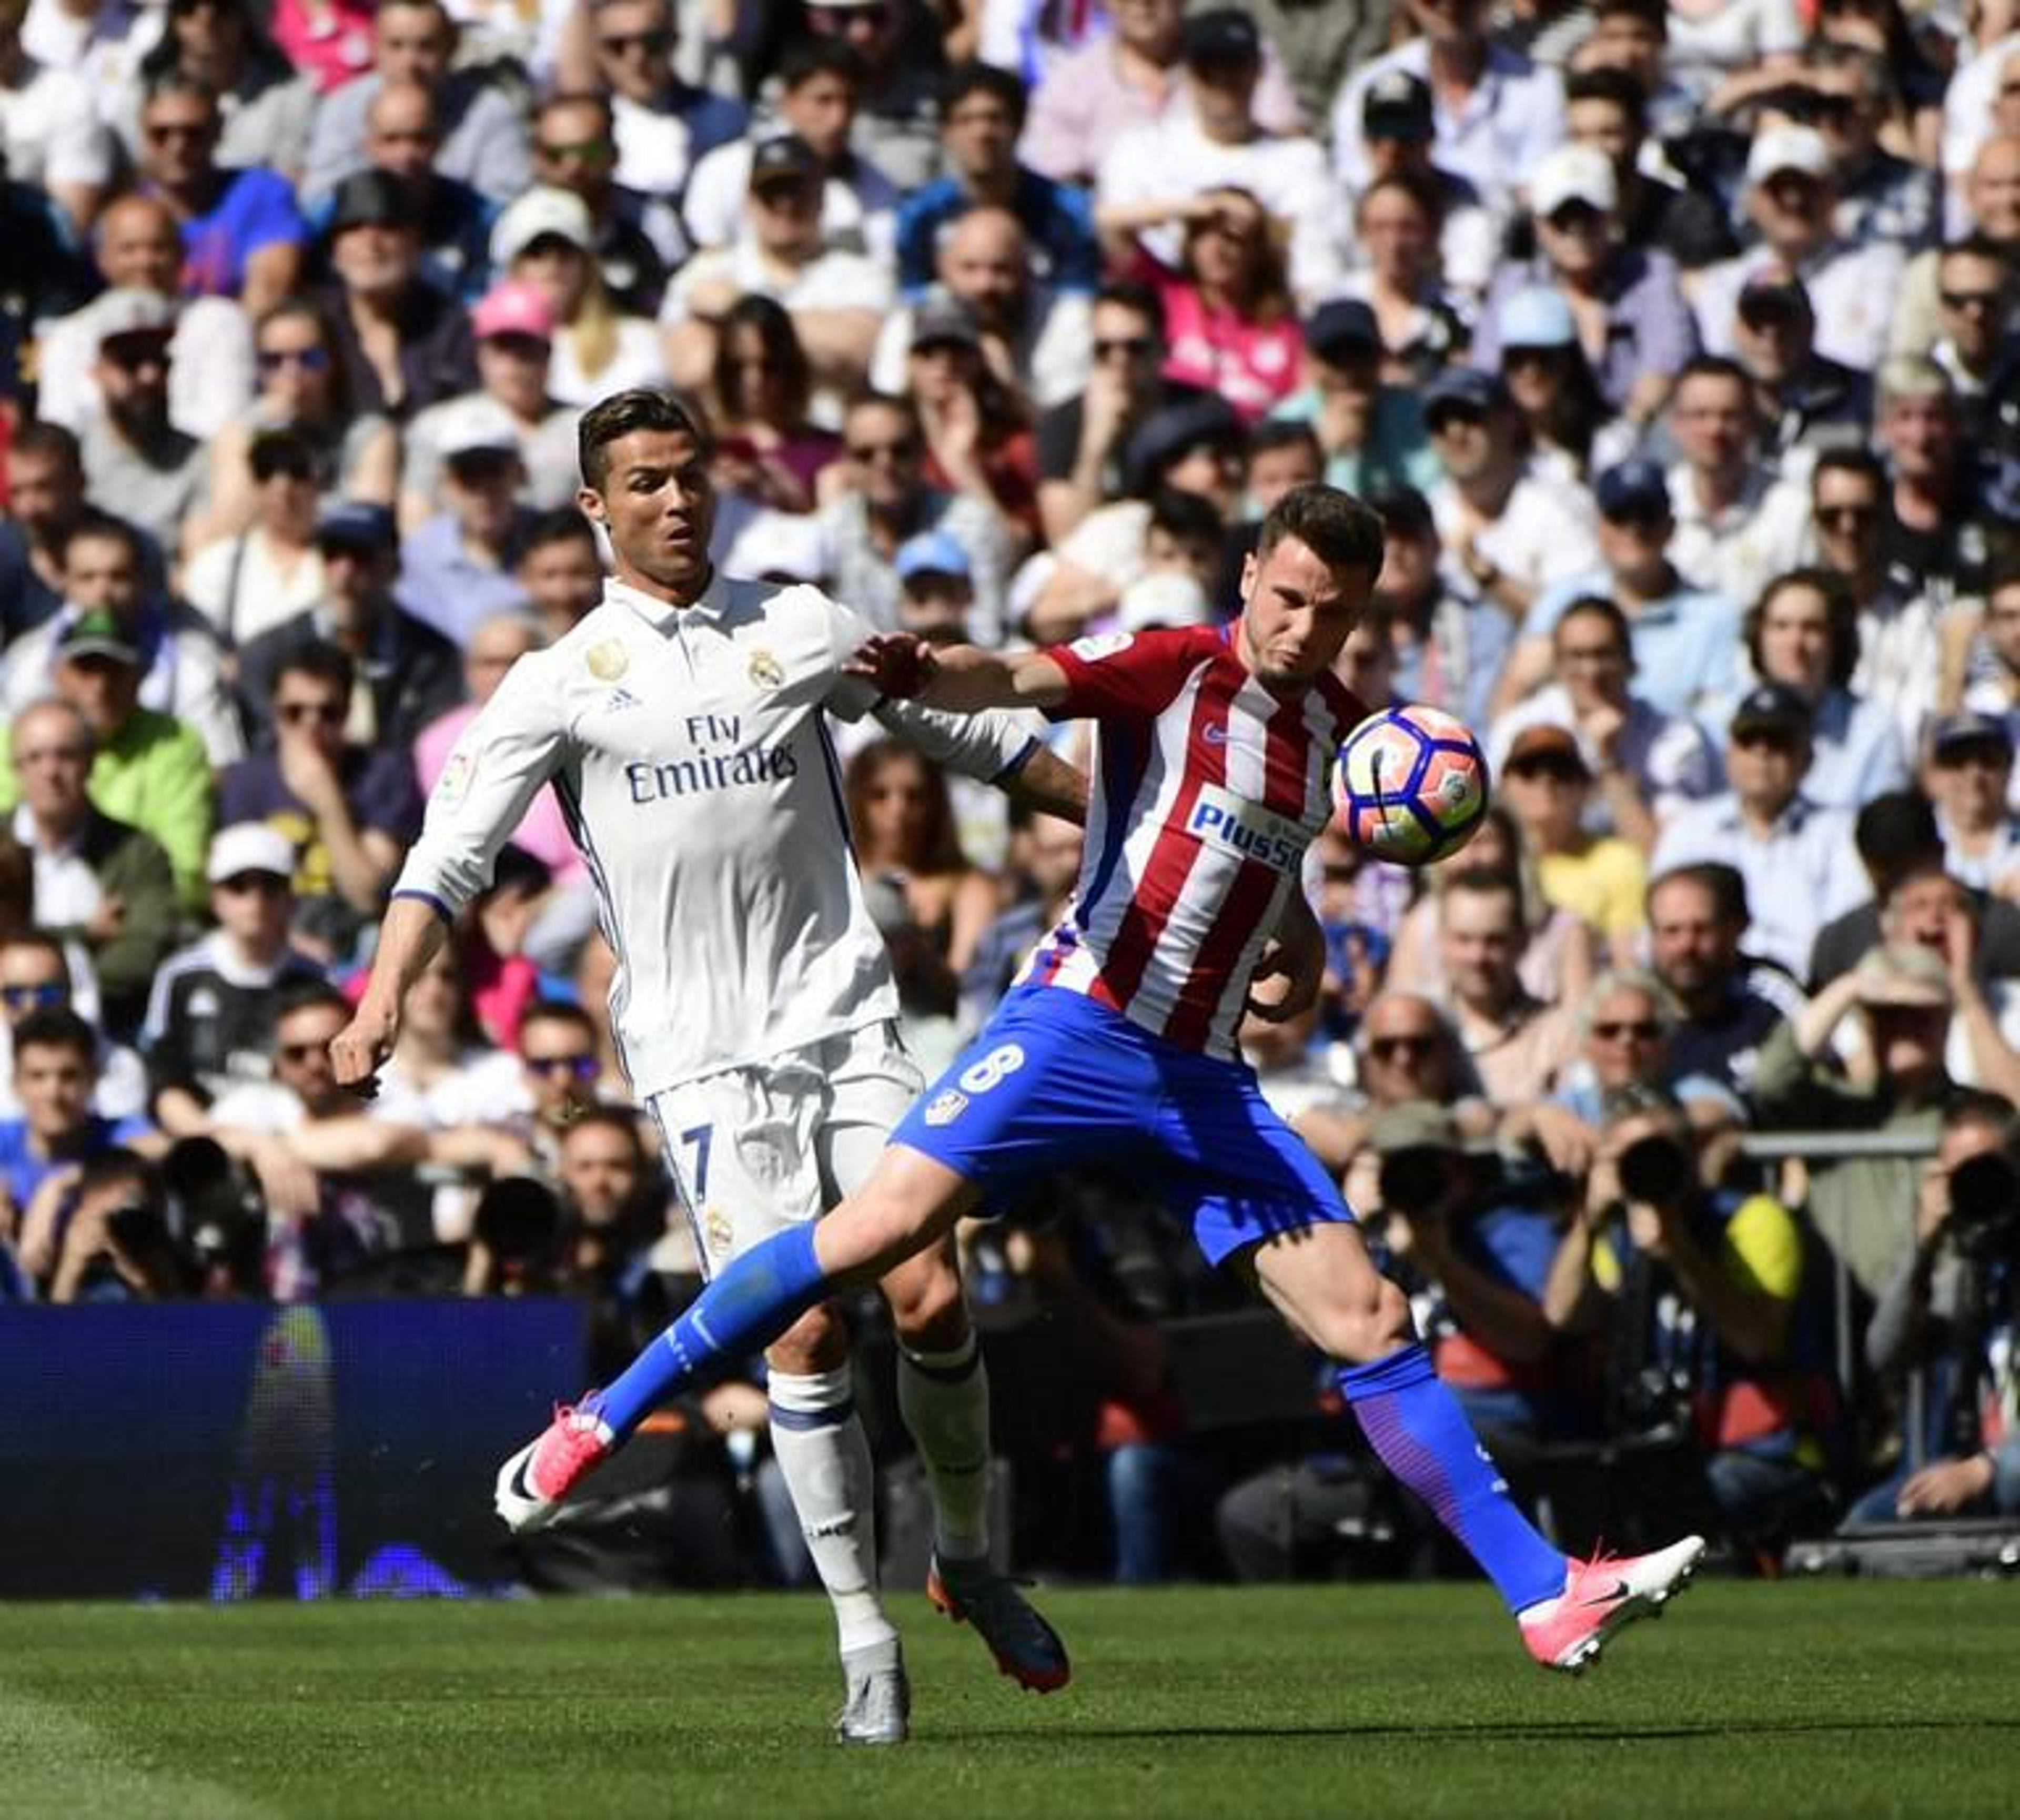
(210, 1017)
(345, 810)
(99, 882)
(40, 971)
(662, 123)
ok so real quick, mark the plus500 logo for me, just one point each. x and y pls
(1223, 820)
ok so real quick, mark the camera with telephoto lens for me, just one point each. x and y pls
(1417, 1177)
(1985, 1207)
(518, 1218)
(1656, 1170)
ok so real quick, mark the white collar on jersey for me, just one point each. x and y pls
(711, 604)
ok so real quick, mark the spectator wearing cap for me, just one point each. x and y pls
(837, 300)
(304, 399)
(150, 770)
(1396, 126)
(978, 439)
(1646, 764)
(1797, 860)
(663, 124)
(1134, 76)
(982, 113)
(132, 453)
(863, 527)
(1804, 632)
(1081, 441)
(109, 568)
(483, 131)
(1804, 401)
(1967, 775)
(101, 883)
(410, 672)
(1607, 110)
(819, 90)
(1633, 326)
(1737, 522)
(1151, 179)
(1496, 114)
(1184, 465)
(514, 328)
(1791, 195)
(137, 248)
(242, 235)
(936, 588)
(640, 238)
(1935, 538)
(265, 104)
(402, 344)
(1551, 381)
(1598, 878)
(1035, 338)
(1510, 533)
(457, 567)
(1686, 641)
(403, 139)
(546, 239)
(210, 1015)
(1976, 293)
(347, 811)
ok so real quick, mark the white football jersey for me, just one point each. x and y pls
(689, 752)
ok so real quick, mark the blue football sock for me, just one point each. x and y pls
(755, 1299)
(1416, 1425)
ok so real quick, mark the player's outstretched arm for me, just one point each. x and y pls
(408, 940)
(960, 678)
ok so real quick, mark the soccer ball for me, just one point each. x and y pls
(1410, 785)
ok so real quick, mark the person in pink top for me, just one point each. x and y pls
(568, 912)
(1230, 318)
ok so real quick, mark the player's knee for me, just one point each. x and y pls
(817, 1342)
(925, 1300)
(1366, 1323)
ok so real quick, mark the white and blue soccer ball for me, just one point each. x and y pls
(1411, 784)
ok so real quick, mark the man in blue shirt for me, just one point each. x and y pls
(982, 112)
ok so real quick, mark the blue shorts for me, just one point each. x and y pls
(1056, 1080)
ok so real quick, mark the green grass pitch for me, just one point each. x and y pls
(1820, 1697)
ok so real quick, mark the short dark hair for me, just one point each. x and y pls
(1977, 244)
(49, 441)
(577, 98)
(1137, 295)
(1980, 1106)
(1600, 607)
(1179, 513)
(121, 1165)
(1275, 433)
(176, 81)
(1404, 512)
(309, 995)
(1606, 84)
(1340, 531)
(616, 1118)
(1714, 366)
(556, 1011)
(96, 526)
(980, 78)
(1862, 462)
(56, 1026)
(1655, 12)
(48, 941)
(320, 659)
(811, 56)
(1895, 829)
(625, 413)
(1725, 885)
(558, 525)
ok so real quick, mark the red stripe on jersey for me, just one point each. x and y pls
(1249, 898)
(1164, 878)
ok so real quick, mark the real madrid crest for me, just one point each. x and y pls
(607, 661)
(717, 1232)
(764, 670)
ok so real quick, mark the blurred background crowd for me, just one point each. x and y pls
(1678, 346)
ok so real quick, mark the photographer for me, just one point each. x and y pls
(116, 1245)
(1699, 1294)
(1950, 1311)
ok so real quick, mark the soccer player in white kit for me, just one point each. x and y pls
(682, 723)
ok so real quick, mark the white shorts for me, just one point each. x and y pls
(753, 1151)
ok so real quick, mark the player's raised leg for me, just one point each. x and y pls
(1323, 1281)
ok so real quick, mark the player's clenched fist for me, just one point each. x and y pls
(357, 1051)
(897, 664)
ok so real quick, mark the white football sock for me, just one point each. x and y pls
(824, 1456)
(944, 1399)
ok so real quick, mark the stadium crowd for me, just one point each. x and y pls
(1678, 347)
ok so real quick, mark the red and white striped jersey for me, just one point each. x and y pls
(1207, 789)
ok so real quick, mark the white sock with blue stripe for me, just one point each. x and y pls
(818, 1443)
